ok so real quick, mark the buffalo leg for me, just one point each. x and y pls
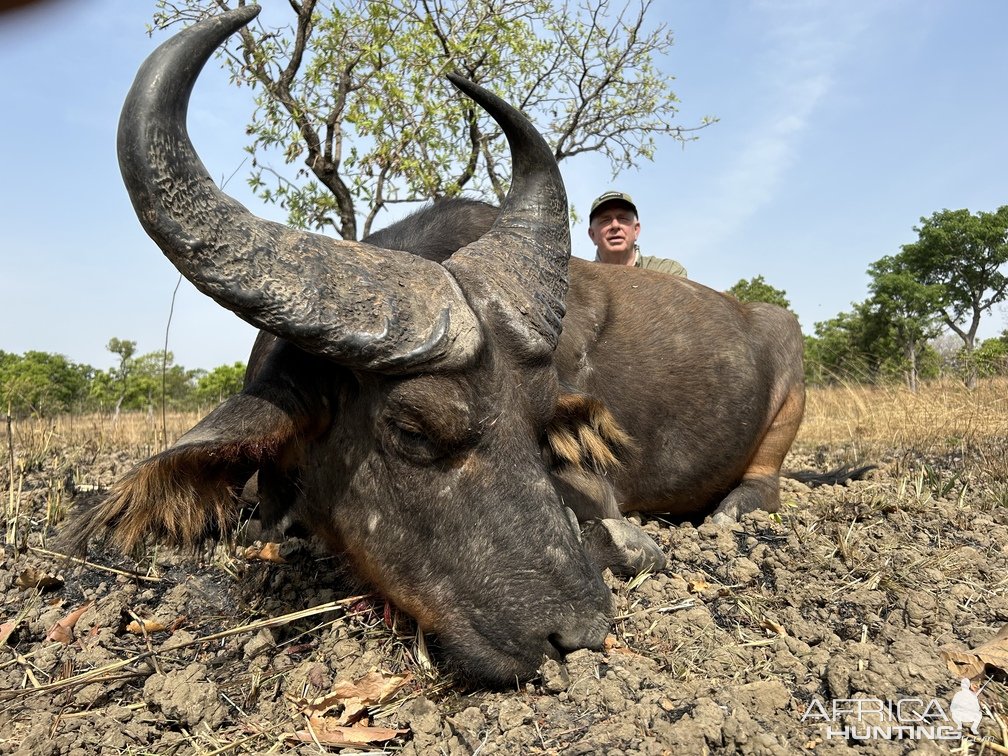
(610, 540)
(622, 546)
(760, 486)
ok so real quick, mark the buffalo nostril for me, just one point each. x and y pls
(554, 648)
(590, 634)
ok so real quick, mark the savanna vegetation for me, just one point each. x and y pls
(43, 384)
(919, 322)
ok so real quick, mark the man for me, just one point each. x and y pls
(614, 227)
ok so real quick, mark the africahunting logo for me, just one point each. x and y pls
(900, 719)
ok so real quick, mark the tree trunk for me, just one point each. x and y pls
(911, 375)
(970, 378)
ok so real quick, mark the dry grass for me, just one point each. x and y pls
(856, 421)
(139, 432)
(68, 445)
(941, 415)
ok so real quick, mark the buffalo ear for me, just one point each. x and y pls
(191, 491)
(585, 435)
(585, 445)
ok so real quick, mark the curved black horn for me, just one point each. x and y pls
(522, 261)
(365, 307)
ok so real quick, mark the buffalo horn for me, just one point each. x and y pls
(365, 307)
(520, 265)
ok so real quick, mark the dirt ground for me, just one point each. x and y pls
(823, 628)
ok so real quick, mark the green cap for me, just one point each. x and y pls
(604, 199)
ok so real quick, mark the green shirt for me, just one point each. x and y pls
(661, 264)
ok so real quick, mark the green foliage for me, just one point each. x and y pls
(990, 358)
(758, 290)
(900, 316)
(949, 277)
(837, 351)
(355, 91)
(140, 382)
(220, 383)
(861, 346)
(40, 383)
(962, 254)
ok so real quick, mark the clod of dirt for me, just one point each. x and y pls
(186, 696)
(554, 676)
(849, 592)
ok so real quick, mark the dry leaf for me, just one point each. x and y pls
(318, 676)
(145, 626)
(698, 586)
(354, 710)
(268, 552)
(328, 732)
(372, 689)
(7, 630)
(773, 627)
(62, 631)
(971, 664)
(43, 581)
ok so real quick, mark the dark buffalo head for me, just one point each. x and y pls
(397, 403)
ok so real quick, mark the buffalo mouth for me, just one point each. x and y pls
(481, 661)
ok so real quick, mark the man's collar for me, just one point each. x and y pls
(637, 256)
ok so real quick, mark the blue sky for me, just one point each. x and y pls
(841, 124)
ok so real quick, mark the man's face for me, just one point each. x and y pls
(615, 229)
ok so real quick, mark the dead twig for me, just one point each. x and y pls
(100, 673)
(93, 566)
(687, 604)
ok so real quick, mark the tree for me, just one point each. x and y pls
(962, 253)
(991, 357)
(758, 290)
(41, 383)
(138, 381)
(120, 376)
(220, 383)
(356, 90)
(901, 314)
(154, 373)
(837, 350)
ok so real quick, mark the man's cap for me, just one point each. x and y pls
(605, 199)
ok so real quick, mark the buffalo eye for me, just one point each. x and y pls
(410, 439)
(410, 430)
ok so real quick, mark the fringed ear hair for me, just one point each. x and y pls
(584, 434)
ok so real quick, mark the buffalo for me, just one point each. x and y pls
(454, 403)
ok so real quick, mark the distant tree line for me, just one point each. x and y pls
(40, 383)
(919, 321)
(923, 309)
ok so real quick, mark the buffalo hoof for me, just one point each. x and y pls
(750, 495)
(622, 547)
(723, 519)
